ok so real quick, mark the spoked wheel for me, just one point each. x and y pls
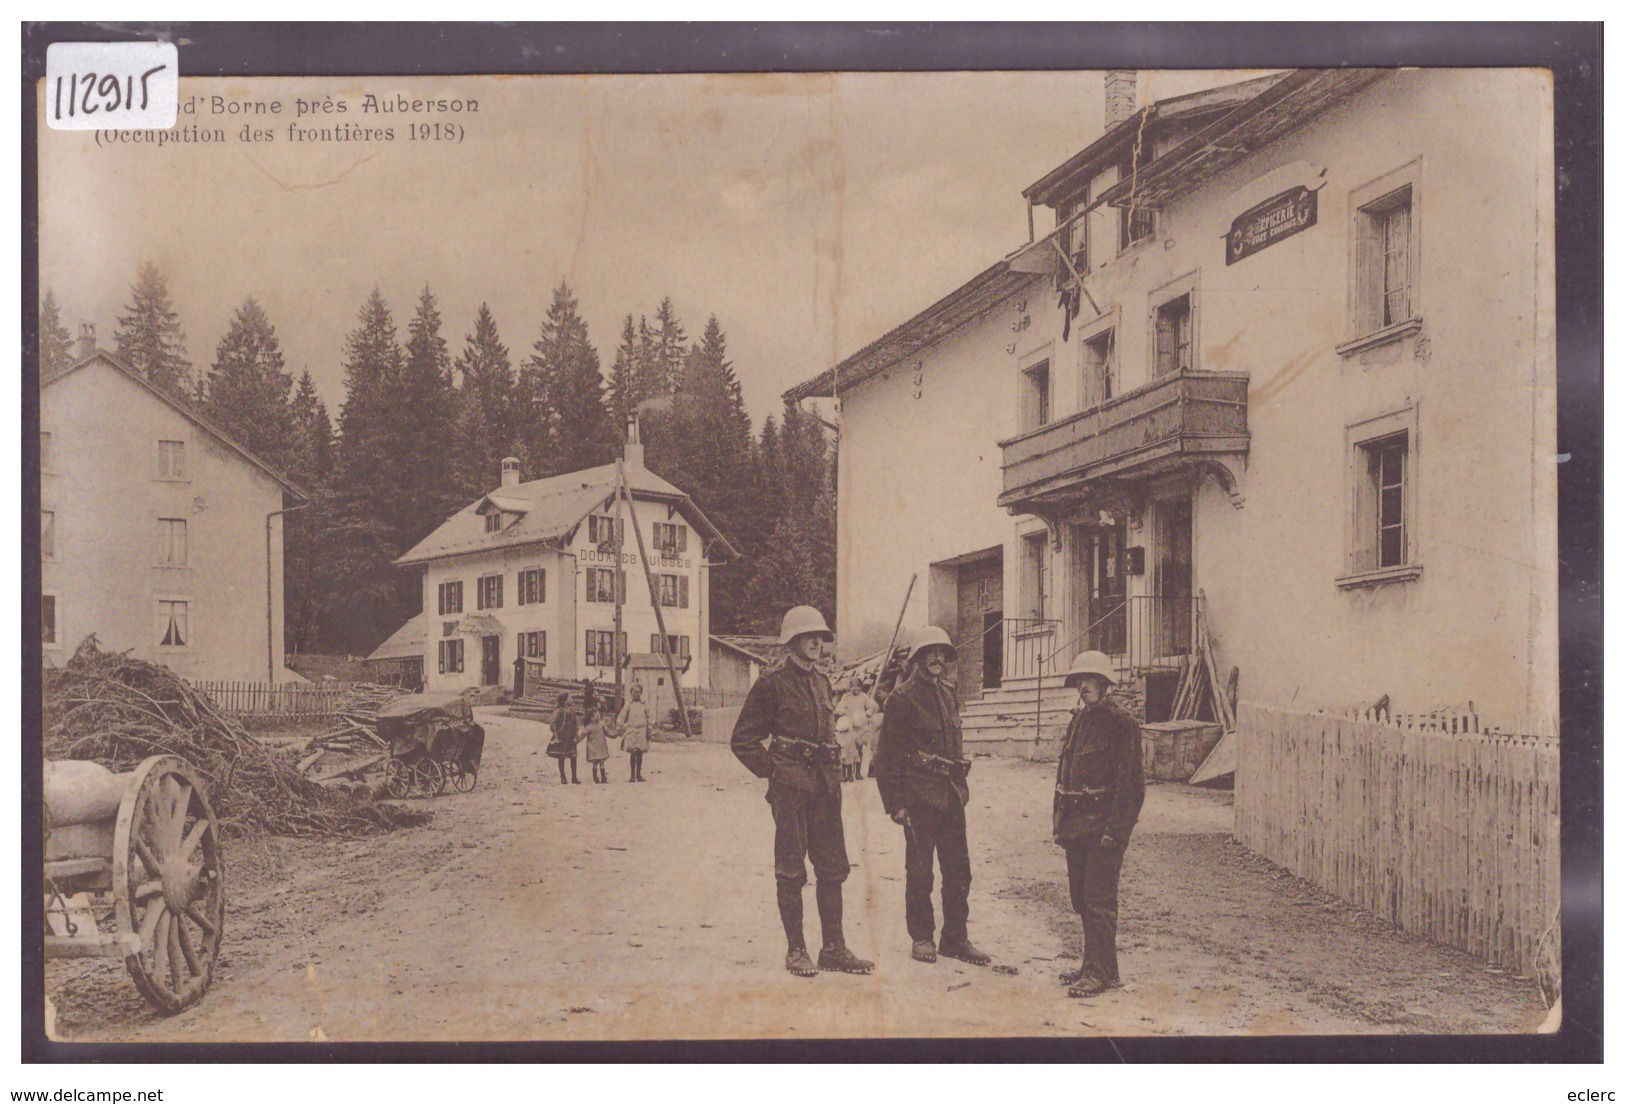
(397, 779)
(466, 778)
(430, 777)
(169, 883)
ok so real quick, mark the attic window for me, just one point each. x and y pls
(493, 521)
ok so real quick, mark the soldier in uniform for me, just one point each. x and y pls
(786, 734)
(920, 770)
(1099, 788)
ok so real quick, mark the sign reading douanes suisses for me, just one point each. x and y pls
(1264, 224)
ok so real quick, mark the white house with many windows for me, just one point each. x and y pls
(1284, 369)
(158, 533)
(530, 570)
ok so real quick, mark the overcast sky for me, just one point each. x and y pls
(809, 213)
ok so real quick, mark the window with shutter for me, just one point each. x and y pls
(1382, 481)
(1383, 303)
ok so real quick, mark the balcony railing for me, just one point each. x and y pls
(1183, 416)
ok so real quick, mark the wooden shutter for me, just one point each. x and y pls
(682, 592)
(682, 538)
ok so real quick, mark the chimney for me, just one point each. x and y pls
(87, 340)
(510, 471)
(634, 444)
(1120, 84)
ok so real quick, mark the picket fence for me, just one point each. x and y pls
(1441, 824)
(294, 702)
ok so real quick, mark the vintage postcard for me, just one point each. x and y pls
(800, 556)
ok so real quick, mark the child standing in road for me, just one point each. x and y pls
(565, 737)
(634, 724)
(594, 734)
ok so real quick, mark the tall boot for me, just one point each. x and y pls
(796, 959)
(835, 955)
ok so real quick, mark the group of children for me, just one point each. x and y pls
(594, 728)
(857, 726)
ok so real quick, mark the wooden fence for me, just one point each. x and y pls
(1439, 823)
(707, 697)
(295, 702)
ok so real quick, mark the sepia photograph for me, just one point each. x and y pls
(823, 555)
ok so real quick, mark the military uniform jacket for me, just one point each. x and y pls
(1099, 785)
(786, 729)
(920, 746)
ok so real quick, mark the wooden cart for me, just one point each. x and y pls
(133, 870)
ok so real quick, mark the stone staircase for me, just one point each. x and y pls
(1008, 721)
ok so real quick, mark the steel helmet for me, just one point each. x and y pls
(803, 620)
(1091, 663)
(933, 637)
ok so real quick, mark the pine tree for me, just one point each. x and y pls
(486, 415)
(708, 451)
(55, 343)
(247, 391)
(623, 387)
(670, 351)
(149, 338)
(310, 463)
(567, 367)
(426, 416)
(359, 535)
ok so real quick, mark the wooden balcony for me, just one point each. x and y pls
(1183, 419)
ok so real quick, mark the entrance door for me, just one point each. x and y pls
(981, 604)
(1109, 591)
(1174, 582)
(490, 660)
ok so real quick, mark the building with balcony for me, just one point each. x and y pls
(1282, 372)
(533, 571)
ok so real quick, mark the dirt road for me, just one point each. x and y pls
(528, 910)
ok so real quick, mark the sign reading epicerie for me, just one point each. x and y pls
(1261, 226)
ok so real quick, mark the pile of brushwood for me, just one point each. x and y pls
(117, 710)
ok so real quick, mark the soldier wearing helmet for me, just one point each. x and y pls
(786, 734)
(920, 769)
(1099, 788)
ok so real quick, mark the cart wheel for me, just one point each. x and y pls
(466, 778)
(397, 779)
(431, 778)
(169, 883)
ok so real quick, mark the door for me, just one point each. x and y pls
(1102, 607)
(490, 660)
(1174, 580)
(981, 605)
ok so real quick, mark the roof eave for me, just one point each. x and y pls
(893, 346)
(184, 410)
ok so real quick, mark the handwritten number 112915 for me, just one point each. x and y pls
(86, 93)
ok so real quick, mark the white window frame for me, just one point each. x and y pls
(1365, 328)
(520, 591)
(158, 472)
(161, 623)
(452, 656)
(444, 589)
(51, 554)
(1359, 438)
(1108, 323)
(1027, 367)
(1189, 284)
(166, 547)
(54, 644)
(670, 538)
(488, 591)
